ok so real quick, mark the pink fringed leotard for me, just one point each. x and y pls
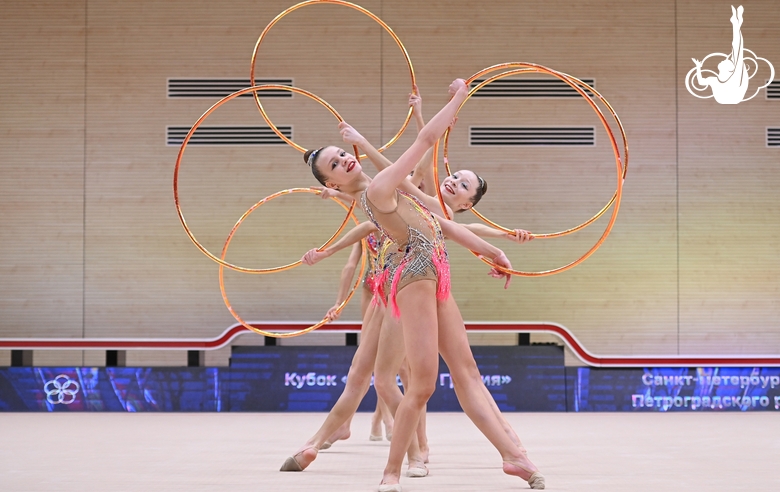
(419, 252)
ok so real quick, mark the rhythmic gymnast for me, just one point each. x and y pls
(460, 192)
(391, 352)
(382, 414)
(419, 292)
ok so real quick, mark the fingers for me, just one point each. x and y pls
(333, 314)
(521, 236)
(311, 257)
(306, 258)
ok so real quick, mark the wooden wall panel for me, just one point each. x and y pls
(606, 300)
(729, 203)
(700, 178)
(42, 162)
(134, 241)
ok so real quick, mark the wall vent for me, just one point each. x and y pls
(525, 87)
(218, 88)
(773, 90)
(532, 135)
(227, 135)
(773, 137)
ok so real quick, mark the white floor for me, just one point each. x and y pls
(242, 452)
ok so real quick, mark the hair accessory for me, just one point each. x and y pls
(313, 156)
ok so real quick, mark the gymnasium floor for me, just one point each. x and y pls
(605, 452)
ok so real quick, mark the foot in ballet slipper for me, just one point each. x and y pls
(300, 460)
(534, 478)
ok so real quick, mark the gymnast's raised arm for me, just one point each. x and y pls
(381, 191)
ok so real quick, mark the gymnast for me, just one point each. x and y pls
(419, 293)
(382, 414)
(391, 352)
(458, 194)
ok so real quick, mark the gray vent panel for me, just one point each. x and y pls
(773, 137)
(773, 90)
(525, 87)
(496, 136)
(227, 135)
(222, 87)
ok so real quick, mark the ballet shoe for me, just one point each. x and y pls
(535, 479)
(293, 465)
(372, 437)
(383, 487)
(417, 469)
(326, 445)
(389, 437)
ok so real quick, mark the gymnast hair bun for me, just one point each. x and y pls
(306, 155)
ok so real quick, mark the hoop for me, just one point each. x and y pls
(230, 237)
(345, 4)
(216, 105)
(622, 168)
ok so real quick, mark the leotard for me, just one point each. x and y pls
(417, 236)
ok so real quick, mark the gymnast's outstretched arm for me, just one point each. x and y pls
(356, 234)
(381, 191)
(470, 241)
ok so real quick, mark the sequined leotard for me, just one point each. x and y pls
(420, 250)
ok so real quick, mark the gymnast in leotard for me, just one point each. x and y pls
(419, 293)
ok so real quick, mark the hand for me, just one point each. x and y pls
(452, 123)
(333, 313)
(350, 135)
(503, 261)
(326, 192)
(521, 236)
(314, 256)
(415, 100)
(457, 85)
(697, 62)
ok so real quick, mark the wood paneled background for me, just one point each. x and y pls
(91, 245)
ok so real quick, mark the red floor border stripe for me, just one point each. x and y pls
(346, 327)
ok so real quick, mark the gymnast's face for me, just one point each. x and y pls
(338, 166)
(458, 189)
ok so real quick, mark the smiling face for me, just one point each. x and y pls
(459, 189)
(337, 166)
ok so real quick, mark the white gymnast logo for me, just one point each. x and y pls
(61, 389)
(730, 84)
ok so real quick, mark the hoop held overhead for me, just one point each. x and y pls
(345, 4)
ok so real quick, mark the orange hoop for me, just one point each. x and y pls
(622, 168)
(345, 4)
(291, 265)
(216, 105)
